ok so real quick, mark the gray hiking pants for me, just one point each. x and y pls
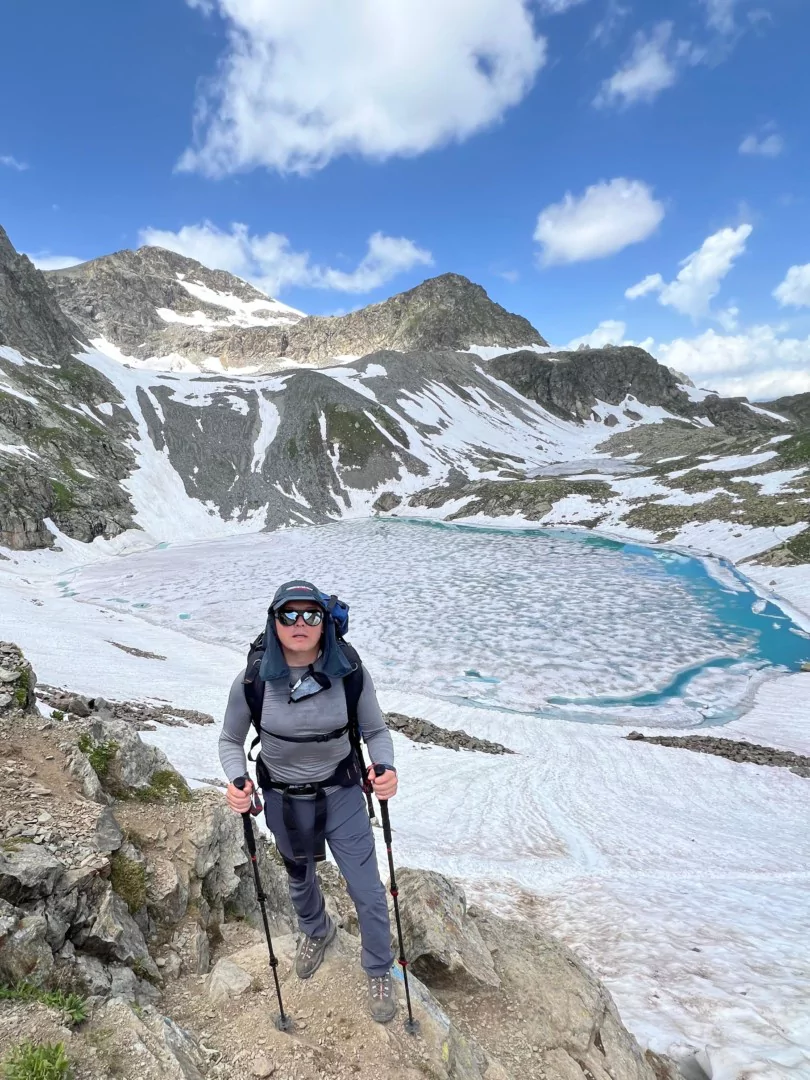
(350, 839)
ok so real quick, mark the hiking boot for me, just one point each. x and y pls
(381, 998)
(310, 953)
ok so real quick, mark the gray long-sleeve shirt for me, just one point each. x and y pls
(301, 763)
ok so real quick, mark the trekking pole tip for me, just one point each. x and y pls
(284, 1023)
(412, 1026)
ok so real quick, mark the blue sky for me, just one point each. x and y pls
(559, 152)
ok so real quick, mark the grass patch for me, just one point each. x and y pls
(28, 1061)
(796, 451)
(62, 497)
(23, 690)
(15, 843)
(128, 879)
(799, 546)
(166, 786)
(72, 1005)
(98, 754)
(57, 714)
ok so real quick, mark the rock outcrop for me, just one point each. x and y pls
(572, 384)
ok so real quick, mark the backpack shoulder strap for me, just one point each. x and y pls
(352, 685)
(253, 685)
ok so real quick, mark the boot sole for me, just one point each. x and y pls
(330, 937)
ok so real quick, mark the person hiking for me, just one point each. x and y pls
(309, 769)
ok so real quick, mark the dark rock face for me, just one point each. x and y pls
(31, 319)
(68, 457)
(569, 385)
(796, 407)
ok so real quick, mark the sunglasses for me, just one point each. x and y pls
(288, 617)
(310, 683)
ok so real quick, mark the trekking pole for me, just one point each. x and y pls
(283, 1022)
(411, 1025)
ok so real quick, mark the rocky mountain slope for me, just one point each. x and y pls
(130, 938)
(96, 445)
(64, 440)
(152, 303)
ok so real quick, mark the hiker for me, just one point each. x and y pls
(299, 689)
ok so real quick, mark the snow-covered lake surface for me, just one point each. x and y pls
(682, 879)
(535, 622)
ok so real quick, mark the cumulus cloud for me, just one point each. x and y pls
(701, 273)
(10, 162)
(44, 260)
(271, 263)
(794, 291)
(764, 145)
(759, 363)
(305, 81)
(609, 216)
(608, 332)
(654, 65)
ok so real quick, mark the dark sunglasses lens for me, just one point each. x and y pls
(289, 618)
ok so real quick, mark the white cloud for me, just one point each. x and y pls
(764, 146)
(795, 289)
(720, 15)
(608, 332)
(653, 66)
(512, 276)
(557, 7)
(305, 81)
(43, 260)
(10, 162)
(271, 264)
(758, 363)
(701, 272)
(604, 31)
(651, 283)
(609, 216)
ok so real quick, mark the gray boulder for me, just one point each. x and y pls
(25, 955)
(227, 981)
(109, 836)
(114, 935)
(567, 1014)
(17, 681)
(131, 765)
(166, 893)
(79, 766)
(28, 874)
(443, 945)
(221, 875)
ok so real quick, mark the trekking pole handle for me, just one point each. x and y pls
(380, 770)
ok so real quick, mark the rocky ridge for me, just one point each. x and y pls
(155, 303)
(141, 901)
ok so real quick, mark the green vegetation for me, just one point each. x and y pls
(166, 786)
(63, 498)
(128, 879)
(795, 451)
(57, 714)
(31, 1062)
(73, 1006)
(98, 754)
(799, 546)
(357, 438)
(23, 691)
